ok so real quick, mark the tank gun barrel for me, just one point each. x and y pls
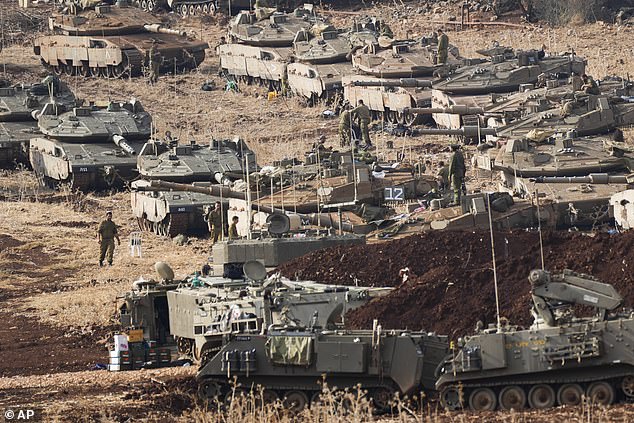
(158, 29)
(403, 82)
(457, 109)
(320, 219)
(466, 131)
(123, 143)
(593, 178)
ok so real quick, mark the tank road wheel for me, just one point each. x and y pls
(57, 70)
(295, 401)
(451, 398)
(83, 69)
(512, 398)
(151, 5)
(627, 385)
(541, 397)
(268, 396)
(209, 390)
(410, 118)
(119, 70)
(569, 394)
(392, 116)
(192, 10)
(68, 68)
(483, 399)
(601, 393)
(315, 399)
(199, 9)
(400, 117)
(144, 5)
(381, 398)
(95, 72)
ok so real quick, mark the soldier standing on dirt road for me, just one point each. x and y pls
(106, 234)
(457, 171)
(155, 63)
(344, 128)
(443, 46)
(214, 222)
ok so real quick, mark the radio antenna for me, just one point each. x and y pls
(495, 273)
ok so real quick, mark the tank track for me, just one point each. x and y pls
(533, 391)
(292, 398)
(173, 224)
(132, 64)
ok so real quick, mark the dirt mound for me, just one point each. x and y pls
(451, 284)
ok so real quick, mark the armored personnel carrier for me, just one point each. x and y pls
(560, 359)
(220, 161)
(277, 30)
(289, 363)
(502, 75)
(17, 124)
(113, 41)
(89, 147)
(196, 313)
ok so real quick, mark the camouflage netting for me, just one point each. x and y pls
(21, 26)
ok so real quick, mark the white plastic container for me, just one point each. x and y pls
(120, 343)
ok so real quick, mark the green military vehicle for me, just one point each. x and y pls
(560, 359)
(195, 314)
(290, 364)
(93, 147)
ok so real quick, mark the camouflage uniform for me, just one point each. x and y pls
(457, 171)
(107, 233)
(155, 64)
(590, 86)
(443, 46)
(363, 113)
(233, 231)
(214, 221)
(443, 177)
(344, 128)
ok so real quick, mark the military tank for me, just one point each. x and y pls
(220, 161)
(91, 147)
(324, 43)
(265, 66)
(17, 125)
(321, 82)
(276, 30)
(502, 75)
(207, 7)
(560, 359)
(405, 59)
(289, 364)
(114, 41)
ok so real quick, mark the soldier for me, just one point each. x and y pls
(443, 176)
(443, 46)
(106, 234)
(590, 85)
(233, 228)
(344, 128)
(214, 222)
(419, 167)
(155, 63)
(456, 172)
(363, 114)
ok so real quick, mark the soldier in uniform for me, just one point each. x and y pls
(363, 114)
(589, 85)
(443, 176)
(106, 234)
(457, 172)
(214, 222)
(233, 228)
(419, 167)
(155, 63)
(443, 46)
(344, 128)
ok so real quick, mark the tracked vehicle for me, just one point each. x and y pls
(560, 359)
(91, 147)
(17, 123)
(290, 364)
(114, 41)
(221, 161)
(277, 30)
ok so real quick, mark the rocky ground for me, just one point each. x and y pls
(58, 307)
